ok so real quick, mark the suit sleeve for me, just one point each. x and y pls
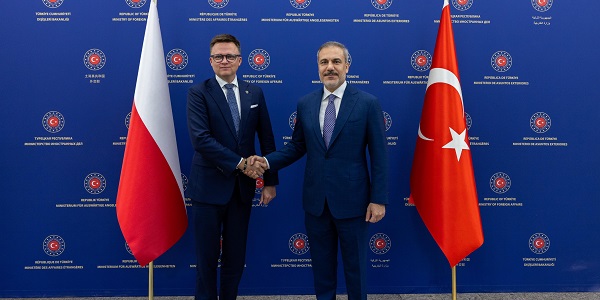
(203, 141)
(378, 154)
(266, 139)
(293, 150)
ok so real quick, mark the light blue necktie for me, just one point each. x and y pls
(329, 120)
(233, 107)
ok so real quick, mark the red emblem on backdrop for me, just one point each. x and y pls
(501, 61)
(298, 244)
(218, 3)
(259, 59)
(94, 183)
(53, 121)
(54, 245)
(381, 4)
(500, 183)
(420, 60)
(300, 4)
(540, 122)
(177, 59)
(380, 243)
(260, 183)
(94, 59)
(53, 3)
(539, 243)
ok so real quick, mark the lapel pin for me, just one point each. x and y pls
(246, 92)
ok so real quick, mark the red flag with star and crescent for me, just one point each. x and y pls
(442, 182)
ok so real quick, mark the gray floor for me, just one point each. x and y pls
(487, 296)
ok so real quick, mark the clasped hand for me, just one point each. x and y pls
(254, 166)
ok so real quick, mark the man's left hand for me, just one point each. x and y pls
(268, 194)
(375, 212)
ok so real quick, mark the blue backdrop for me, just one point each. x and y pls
(530, 85)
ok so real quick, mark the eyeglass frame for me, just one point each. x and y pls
(228, 57)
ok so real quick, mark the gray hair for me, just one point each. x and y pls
(335, 44)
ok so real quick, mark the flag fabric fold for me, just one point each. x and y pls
(442, 182)
(150, 203)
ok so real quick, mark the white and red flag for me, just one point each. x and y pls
(442, 182)
(150, 203)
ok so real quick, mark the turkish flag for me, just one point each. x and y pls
(150, 203)
(442, 183)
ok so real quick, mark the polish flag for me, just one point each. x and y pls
(150, 202)
(442, 182)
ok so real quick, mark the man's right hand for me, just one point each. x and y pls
(257, 160)
(255, 166)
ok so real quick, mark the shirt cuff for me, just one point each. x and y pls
(241, 159)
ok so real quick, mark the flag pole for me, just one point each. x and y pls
(151, 280)
(151, 264)
(454, 283)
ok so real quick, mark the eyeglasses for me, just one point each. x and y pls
(229, 57)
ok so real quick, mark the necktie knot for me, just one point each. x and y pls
(229, 86)
(331, 98)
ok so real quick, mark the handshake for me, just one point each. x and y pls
(253, 166)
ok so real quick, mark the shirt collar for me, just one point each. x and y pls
(339, 92)
(223, 82)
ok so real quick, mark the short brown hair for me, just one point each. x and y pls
(225, 38)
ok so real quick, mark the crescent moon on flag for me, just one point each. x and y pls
(422, 136)
(439, 75)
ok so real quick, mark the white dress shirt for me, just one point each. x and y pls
(236, 90)
(339, 92)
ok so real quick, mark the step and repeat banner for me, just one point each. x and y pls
(528, 70)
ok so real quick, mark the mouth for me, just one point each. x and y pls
(330, 74)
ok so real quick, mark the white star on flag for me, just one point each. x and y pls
(457, 143)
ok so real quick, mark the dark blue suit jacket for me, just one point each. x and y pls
(217, 149)
(339, 174)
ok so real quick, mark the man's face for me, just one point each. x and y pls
(225, 69)
(332, 67)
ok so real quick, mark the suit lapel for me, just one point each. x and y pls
(217, 93)
(245, 102)
(315, 109)
(348, 101)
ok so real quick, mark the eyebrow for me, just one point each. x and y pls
(333, 59)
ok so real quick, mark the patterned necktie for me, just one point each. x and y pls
(233, 107)
(329, 120)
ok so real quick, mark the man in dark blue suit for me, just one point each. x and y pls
(335, 126)
(224, 117)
